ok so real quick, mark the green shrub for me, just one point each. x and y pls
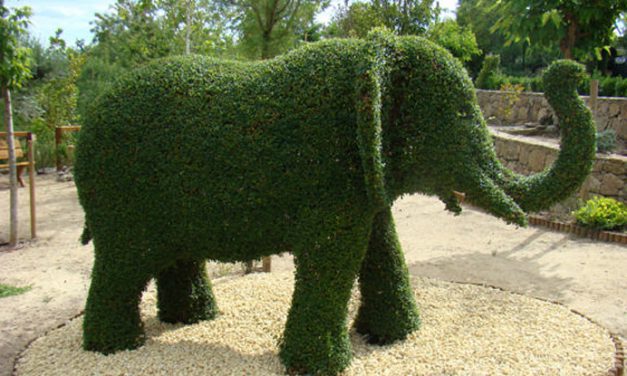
(488, 75)
(607, 87)
(606, 141)
(602, 213)
(620, 87)
(45, 153)
(192, 158)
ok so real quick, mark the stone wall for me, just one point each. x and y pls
(512, 108)
(526, 155)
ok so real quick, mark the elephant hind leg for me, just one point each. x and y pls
(112, 321)
(388, 309)
(184, 293)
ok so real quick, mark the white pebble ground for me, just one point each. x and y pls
(466, 330)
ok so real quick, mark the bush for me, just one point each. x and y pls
(489, 72)
(44, 147)
(620, 87)
(608, 86)
(606, 141)
(602, 213)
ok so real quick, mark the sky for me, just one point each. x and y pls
(74, 16)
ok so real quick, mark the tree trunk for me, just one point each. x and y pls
(567, 44)
(188, 31)
(265, 45)
(8, 120)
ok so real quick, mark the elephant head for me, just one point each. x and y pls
(421, 130)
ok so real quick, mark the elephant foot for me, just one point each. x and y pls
(184, 293)
(384, 324)
(109, 337)
(328, 356)
(112, 321)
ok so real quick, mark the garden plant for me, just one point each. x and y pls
(192, 158)
(602, 213)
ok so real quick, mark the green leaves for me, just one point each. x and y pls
(577, 26)
(602, 213)
(458, 40)
(14, 59)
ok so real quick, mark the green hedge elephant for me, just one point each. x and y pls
(192, 158)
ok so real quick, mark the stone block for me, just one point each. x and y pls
(611, 185)
(615, 166)
(509, 151)
(523, 157)
(550, 158)
(614, 109)
(522, 114)
(603, 108)
(537, 158)
(591, 185)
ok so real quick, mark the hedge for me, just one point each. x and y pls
(192, 158)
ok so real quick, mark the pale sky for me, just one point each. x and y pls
(74, 16)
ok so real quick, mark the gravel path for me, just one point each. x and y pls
(584, 275)
(466, 330)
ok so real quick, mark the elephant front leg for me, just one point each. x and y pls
(316, 338)
(184, 293)
(388, 309)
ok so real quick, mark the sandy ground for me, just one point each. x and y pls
(585, 275)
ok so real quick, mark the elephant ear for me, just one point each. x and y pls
(368, 108)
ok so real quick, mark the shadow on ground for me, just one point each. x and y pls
(506, 269)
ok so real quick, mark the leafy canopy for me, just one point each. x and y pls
(267, 28)
(581, 27)
(14, 58)
(460, 41)
(404, 17)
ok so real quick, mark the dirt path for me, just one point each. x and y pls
(585, 275)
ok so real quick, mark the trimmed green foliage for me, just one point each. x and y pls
(184, 293)
(578, 142)
(384, 273)
(602, 213)
(489, 72)
(191, 158)
(8, 290)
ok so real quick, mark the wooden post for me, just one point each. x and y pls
(594, 94)
(267, 264)
(58, 136)
(58, 139)
(31, 184)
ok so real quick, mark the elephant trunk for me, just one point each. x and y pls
(577, 151)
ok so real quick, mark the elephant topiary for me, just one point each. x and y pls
(192, 158)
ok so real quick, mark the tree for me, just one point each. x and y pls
(14, 61)
(59, 94)
(354, 21)
(407, 17)
(404, 17)
(581, 27)
(270, 27)
(458, 40)
(517, 57)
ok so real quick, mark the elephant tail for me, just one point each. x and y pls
(86, 235)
